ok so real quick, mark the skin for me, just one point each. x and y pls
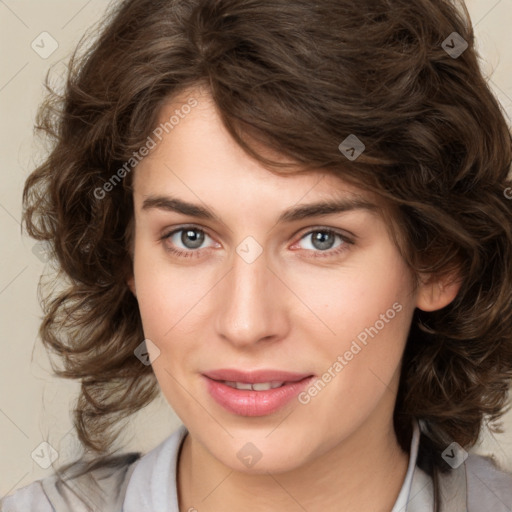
(286, 310)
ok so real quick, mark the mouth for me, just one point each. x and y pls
(255, 393)
(257, 386)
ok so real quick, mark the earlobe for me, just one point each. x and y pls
(436, 293)
(131, 284)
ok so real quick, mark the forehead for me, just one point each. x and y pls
(195, 154)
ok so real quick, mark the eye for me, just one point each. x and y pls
(185, 241)
(323, 240)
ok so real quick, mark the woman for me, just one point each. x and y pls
(291, 218)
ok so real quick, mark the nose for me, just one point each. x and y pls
(252, 303)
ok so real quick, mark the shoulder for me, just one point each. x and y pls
(487, 485)
(476, 485)
(31, 497)
(78, 489)
(109, 483)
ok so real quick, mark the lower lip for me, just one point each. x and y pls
(254, 403)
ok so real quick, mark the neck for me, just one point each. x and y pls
(363, 472)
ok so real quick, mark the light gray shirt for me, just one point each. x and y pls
(149, 484)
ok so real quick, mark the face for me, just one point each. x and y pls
(242, 281)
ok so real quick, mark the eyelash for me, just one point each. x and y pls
(319, 254)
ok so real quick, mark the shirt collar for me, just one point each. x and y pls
(416, 493)
(152, 485)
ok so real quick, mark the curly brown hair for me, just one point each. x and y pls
(296, 77)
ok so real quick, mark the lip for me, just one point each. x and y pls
(255, 376)
(250, 402)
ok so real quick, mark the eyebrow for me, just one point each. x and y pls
(292, 214)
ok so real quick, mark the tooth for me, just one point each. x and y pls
(243, 385)
(264, 386)
(261, 386)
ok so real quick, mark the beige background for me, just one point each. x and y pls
(34, 406)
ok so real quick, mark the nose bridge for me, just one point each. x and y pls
(249, 308)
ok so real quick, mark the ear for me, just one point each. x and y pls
(131, 284)
(437, 292)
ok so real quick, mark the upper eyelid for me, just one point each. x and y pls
(338, 231)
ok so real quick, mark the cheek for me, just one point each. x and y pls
(169, 297)
(366, 314)
(353, 298)
(155, 297)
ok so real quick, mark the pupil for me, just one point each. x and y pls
(192, 238)
(319, 240)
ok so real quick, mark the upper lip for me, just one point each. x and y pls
(255, 376)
